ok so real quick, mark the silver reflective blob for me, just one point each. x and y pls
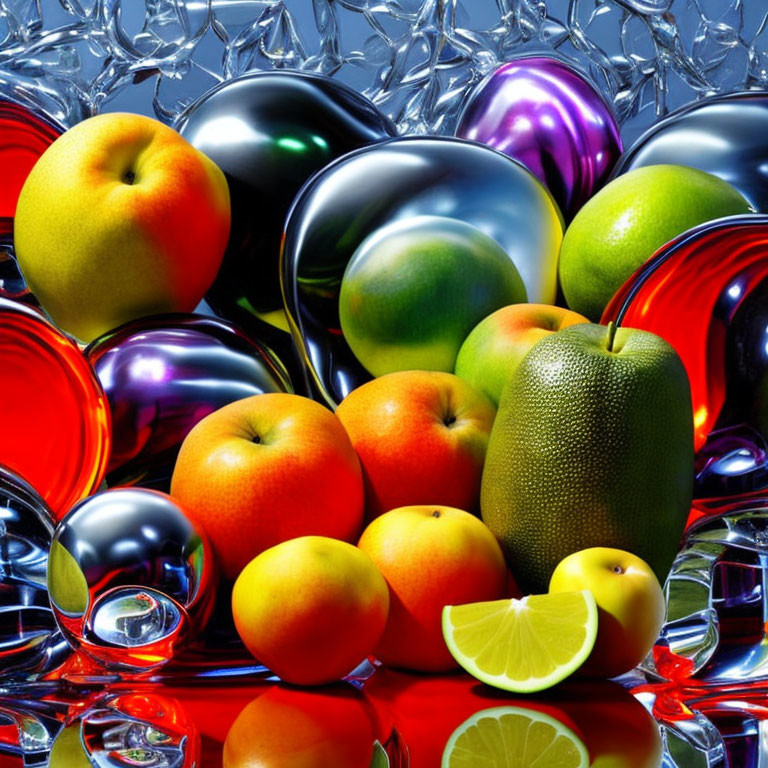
(131, 578)
(717, 596)
(129, 729)
(30, 642)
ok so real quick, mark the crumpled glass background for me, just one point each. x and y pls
(417, 59)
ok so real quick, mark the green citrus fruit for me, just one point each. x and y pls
(514, 736)
(415, 288)
(522, 645)
(592, 446)
(628, 220)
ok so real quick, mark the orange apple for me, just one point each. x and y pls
(266, 469)
(421, 437)
(430, 556)
(497, 344)
(120, 217)
(630, 605)
(310, 609)
(294, 728)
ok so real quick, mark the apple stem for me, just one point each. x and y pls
(611, 335)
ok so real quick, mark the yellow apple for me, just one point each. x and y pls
(630, 604)
(497, 344)
(120, 218)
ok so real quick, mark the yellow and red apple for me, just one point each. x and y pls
(496, 345)
(266, 469)
(421, 437)
(630, 605)
(430, 556)
(119, 218)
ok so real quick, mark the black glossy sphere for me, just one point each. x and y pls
(269, 132)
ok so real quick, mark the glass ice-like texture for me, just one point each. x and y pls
(706, 293)
(545, 114)
(131, 578)
(162, 375)
(54, 416)
(30, 641)
(723, 135)
(392, 181)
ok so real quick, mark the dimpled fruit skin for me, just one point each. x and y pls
(590, 448)
(625, 223)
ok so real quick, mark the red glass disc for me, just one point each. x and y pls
(695, 292)
(54, 417)
(24, 136)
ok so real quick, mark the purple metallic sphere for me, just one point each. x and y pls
(545, 115)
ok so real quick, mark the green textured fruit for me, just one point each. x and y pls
(415, 288)
(628, 220)
(592, 446)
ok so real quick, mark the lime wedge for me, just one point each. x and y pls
(522, 645)
(513, 736)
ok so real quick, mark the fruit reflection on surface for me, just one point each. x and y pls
(524, 645)
(54, 415)
(415, 288)
(491, 353)
(291, 728)
(421, 437)
(592, 446)
(625, 223)
(612, 724)
(311, 609)
(630, 605)
(265, 469)
(430, 556)
(144, 215)
(512, 735)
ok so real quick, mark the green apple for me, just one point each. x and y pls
(415, 288)
(592, 446)
(497, 344)
(630, 604)
(119, 218)
(628, 220)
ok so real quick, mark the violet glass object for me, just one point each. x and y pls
(162, 375)
(393, 181)
(30, 641)
(131, 578)
(706, 293)
(724, 135)
(54, 415)
(269, 132)
(542, 112)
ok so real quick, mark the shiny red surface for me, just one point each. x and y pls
(24, 136)
(679, 295)
(54, 417)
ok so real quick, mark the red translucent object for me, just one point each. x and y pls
(693, 292)
(24, 136)
(54, 416)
